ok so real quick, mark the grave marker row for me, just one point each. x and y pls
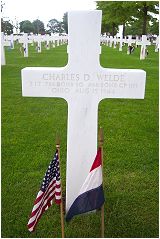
(142, 42)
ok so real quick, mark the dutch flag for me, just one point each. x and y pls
(91, 194)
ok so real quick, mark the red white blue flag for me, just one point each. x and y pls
(50, 190)
(91, 194)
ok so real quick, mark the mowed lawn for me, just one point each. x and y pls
(29, 129)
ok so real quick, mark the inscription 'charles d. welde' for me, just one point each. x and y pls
(84, 77)
(83, 83)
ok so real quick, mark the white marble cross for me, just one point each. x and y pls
(24, 40)
(107, 40)
(144, 42)
(57, 41)
(110, 41)
(83, 83)
(130, 41)
(47, 39)
(114, 42)
(3, 59)
(6, 41)
(38, 39)
(120, 40)
(53, 42)
(12, 41)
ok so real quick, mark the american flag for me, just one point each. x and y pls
(50, 189)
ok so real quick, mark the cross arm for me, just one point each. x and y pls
(122, 83)
(45, 82)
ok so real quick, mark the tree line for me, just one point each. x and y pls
(137, 17)
(37, 26)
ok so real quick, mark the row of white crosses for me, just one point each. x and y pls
(25, 39)
(83, 83)
(143, 42)
(58, 40)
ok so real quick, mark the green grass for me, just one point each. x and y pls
(29, 129)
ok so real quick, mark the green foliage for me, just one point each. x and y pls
(29, 129)
(135, 28)
(143, 12)
(26, 26)
(109, 24)
(55, 26)
(154, 27)
(135, 14)
(38, 27)
(6, 27)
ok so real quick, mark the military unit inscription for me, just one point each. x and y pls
(95, 83)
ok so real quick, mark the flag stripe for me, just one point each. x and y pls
(39, 196)
(45, 195)
(50, 189)
(86, 202)
(52, 183)
(38, 208)
(91, 195)
(93, 180)
(97, 162)
(33, 218)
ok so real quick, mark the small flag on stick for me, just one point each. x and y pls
(50, 190)
(91, 194)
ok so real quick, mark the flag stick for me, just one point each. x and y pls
(101, 139)
(61, 204)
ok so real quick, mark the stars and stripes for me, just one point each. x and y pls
(50, 189)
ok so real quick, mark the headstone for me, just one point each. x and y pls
(31, 40)
(83, 83)
(3, 60)
(120, 40)
(12, 41)
(6, 41)
(53, 42)
(24, 40)
(143, 44)
(107, 40)
(38, 39)
(57, 42)
(114, 42)
(110, 41)
(47, 38)
(130, 41)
